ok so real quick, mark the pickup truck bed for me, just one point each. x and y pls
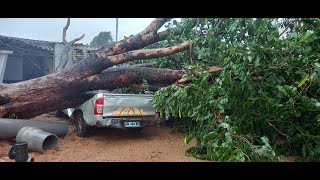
(125, 111)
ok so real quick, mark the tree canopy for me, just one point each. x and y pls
(265, 103)
(103, 39)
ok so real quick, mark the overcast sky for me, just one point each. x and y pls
(50, 29)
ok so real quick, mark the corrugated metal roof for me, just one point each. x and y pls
(45, 45)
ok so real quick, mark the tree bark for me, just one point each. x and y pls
(65, 87)
(113, 78)
(47, 91)
(148, 36)
(109, 79)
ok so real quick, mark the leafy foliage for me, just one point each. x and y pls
(267, 93)
(12, 116)
(103, 39)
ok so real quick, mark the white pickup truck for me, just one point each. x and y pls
(125, 111)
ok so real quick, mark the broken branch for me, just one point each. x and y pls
(65, 32)
(77, 39)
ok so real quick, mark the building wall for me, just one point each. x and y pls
(20, 68)
(57, 54)
(48, 63)
(71, 55)
(14, 68)
(3, 63)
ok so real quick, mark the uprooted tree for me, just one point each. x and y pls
(263, 102)
(47, 93)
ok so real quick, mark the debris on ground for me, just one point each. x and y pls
(152, 144)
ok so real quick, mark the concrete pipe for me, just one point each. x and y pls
(37, 139)
(10, 127)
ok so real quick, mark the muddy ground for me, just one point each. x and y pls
(152, 144)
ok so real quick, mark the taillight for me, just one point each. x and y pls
(98, 107)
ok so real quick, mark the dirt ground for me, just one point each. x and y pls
(152, 144)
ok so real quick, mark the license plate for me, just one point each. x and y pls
(131, 124)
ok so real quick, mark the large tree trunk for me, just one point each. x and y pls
(47, 91)
(110, 79)
(64, 88)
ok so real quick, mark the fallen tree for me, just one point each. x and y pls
(113, 78)
(58, 90)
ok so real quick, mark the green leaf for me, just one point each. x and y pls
(186, 77)
(224, 125)
(185, 141)
(303, 80)
(265, 140)
(228, 137)
(315, 102)
(247, 48)
(206, 21)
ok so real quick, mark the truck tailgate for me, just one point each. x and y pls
(121, 105)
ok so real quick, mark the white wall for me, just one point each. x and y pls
(57, 53)
(58, 50)
(3, 62)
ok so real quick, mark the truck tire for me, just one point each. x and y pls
(82, 126)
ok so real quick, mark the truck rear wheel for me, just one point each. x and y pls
(82, 126)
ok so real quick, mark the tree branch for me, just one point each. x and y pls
(65, 32)
(214, 69)
(177, 61)
(67, 46)
(155, 25)
(152, 87)
(211, 70)
(77, 39)
(283, 134)
(288, 26)
(144, 38)
(113, 78)
(136, 41)
(148, 53)
(164, 34)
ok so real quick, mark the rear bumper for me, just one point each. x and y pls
(119, 122)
